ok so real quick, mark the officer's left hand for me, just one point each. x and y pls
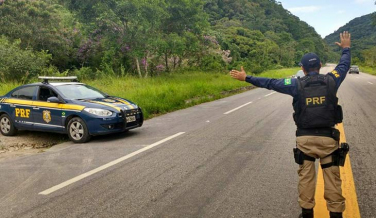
(239, 75)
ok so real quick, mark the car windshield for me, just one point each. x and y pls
(73, 91)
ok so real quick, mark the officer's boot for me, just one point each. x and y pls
(335, 215)
(306, 213)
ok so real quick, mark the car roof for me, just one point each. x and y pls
(57, 83)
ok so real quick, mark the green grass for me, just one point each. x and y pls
(170, 92)
(282, 73)
(167, 93)
(6, 87)
(369, 70)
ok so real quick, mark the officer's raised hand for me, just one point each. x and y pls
(239, 75)
(345, 40)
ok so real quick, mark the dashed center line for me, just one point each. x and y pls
(235, 109)
(112, 163)
(270, 94)
(370, 83)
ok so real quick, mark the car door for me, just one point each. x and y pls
(47, 115)
(20, 107)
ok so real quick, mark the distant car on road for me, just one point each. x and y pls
(300, 74)
(354, 69)
(70, 107)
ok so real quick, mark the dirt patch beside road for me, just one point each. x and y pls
(26, 143)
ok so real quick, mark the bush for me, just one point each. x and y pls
(17, 64)
(212, 63)
(86, 73)
(49, 71)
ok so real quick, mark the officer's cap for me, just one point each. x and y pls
(309, 61)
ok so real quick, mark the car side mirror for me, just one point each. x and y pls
(53, 100)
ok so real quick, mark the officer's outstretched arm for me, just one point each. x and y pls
(285, 86)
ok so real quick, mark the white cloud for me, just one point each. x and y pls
(305, 9)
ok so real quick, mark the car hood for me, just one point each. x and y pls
(109, 103)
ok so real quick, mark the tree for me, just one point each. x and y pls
(370, 56)
(41, 25)
(186, 22)
(20, 64)
(374, 18)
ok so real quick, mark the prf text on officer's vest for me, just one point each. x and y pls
(315, 100)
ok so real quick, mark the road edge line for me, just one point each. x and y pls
(103, 167)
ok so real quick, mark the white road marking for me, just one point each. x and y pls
(270, 94)
(229, 112)
(112, 163)
(370, 83)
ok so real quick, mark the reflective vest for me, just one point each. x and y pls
(317, 104)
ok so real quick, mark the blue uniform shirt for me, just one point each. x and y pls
(290, 86)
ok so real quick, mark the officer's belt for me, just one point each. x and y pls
(309, 158)
(327, 132)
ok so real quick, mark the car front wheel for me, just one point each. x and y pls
(7, 127)
(77, 130)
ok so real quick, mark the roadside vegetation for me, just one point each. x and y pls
(169, 92)
(369, 70)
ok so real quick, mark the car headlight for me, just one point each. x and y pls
(99, 112)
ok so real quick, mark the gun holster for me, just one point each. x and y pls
(338, 157)
(299, 156)
(342, 153)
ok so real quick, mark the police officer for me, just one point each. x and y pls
(316, 111)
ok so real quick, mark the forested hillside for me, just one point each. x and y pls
(262, 33)
(363, 35)
(148, 37)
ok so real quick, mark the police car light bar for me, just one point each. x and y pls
(46, 78)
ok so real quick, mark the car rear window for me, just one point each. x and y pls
(26, 93)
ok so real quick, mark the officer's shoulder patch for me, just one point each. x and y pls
(287, 82)
(335, 73)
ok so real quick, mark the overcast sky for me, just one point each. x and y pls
(326, 16)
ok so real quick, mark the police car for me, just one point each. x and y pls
(68, 107)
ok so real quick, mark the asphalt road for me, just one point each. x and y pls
(224, 163)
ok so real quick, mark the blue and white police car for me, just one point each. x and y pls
(71, 108)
